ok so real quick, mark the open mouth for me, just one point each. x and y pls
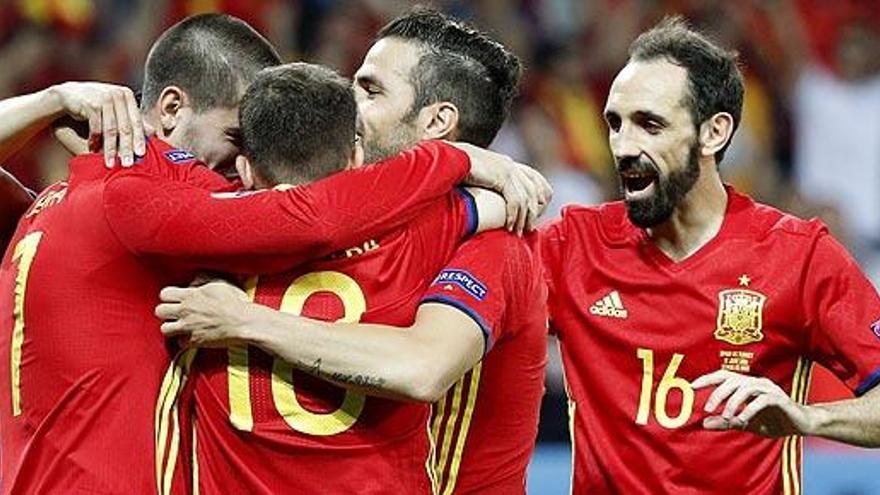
(638, 184)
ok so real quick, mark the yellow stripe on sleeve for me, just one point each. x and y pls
(167, 420)
(788, 474)
(468, 414)
(454, 411)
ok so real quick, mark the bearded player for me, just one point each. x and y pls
(686, 276)
(482, 317)
(132, 231)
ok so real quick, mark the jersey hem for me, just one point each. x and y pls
(471, 212)
(868, 383)
(464, 308)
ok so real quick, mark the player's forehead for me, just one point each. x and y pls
(389, 61)
(656, 86)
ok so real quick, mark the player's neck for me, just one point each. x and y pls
(695, 221)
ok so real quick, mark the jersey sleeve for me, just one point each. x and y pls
(492, 278)
(269, 231)
(548, 243)
(438, 231)
(842, 311)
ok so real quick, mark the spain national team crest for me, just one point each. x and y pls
(740, 316)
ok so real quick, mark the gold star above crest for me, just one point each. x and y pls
(744, 280)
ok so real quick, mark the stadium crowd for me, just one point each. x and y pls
(809, 66)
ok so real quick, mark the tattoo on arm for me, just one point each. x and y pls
(356, 379)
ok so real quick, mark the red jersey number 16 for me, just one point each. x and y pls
(668, 383)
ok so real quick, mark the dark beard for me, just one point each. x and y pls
(670, 190)
(375, 152)
(401, 137)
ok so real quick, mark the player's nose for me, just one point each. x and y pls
(623, 144)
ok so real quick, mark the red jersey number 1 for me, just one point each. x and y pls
(24, 253)
(283, 390)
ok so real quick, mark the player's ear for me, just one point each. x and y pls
(356, 158)
(715, 132)
(442, 121)
(245, 172)
(171, 101)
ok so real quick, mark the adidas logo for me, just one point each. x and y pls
(610, 305)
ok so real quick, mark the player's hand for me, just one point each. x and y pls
(752, 404)
(114, 120)
(209, 315)
(526, 192)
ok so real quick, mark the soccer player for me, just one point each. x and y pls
(652, 295)
(253, 405)
(486, 301)
(75, 286)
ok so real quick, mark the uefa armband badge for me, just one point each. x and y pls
(740, 316)
(179, 156)
(875, 327)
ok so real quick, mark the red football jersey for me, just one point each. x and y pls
(263, 427)
(769, 295)
(484, 430)
(81, 279)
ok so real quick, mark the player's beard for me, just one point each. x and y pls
(379, 146)
(669, 192)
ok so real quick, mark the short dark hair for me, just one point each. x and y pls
(212, 57)
(715, 83)
(460, 65)
(298, 123)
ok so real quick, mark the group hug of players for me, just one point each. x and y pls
(382, 328)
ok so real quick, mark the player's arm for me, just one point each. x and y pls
(526, 192)
(419, 362)
(461, 316)
(841, 312)
(273, 230)
(111, 111)
(760, 406)
(491, 209)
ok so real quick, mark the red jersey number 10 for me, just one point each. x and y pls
(668, 383)
(283, 388)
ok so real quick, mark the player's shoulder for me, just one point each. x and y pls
(164, 161)
(500, 242)
(606, 223)
(764, 221)
(501, 251)
(162, 157)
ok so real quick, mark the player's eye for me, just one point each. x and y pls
(613, 121)
(372, 91)
(652, 127)
(234, 137)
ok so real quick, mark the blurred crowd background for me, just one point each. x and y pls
(809, 141)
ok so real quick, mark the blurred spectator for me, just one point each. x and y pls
(835, 103)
